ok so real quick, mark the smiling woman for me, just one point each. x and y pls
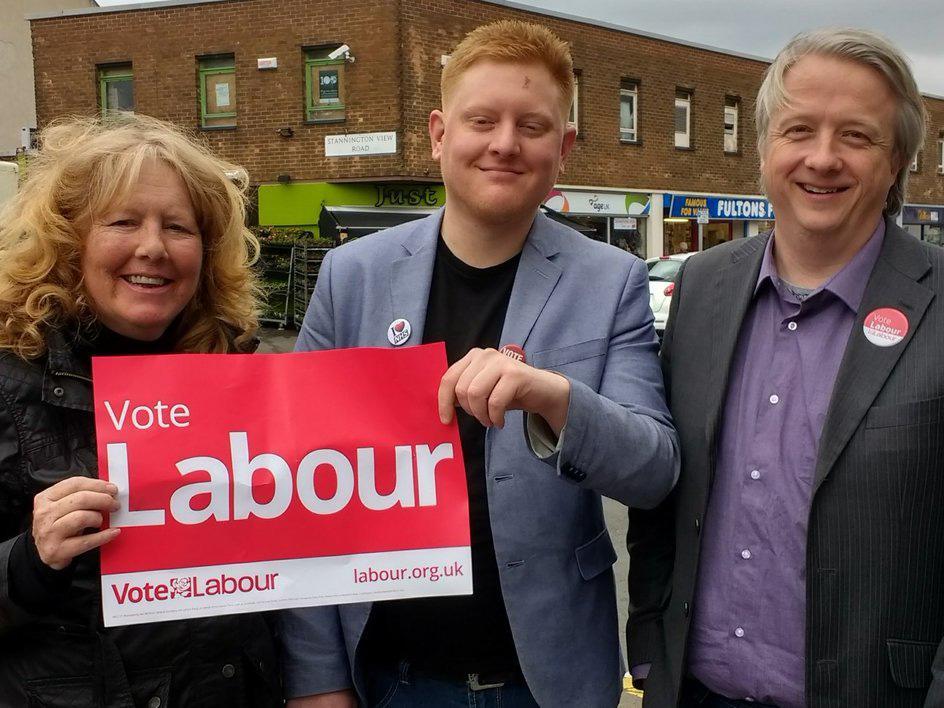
(136, 189)
(142, 257)
(127, 238)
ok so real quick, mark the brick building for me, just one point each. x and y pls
(326, 104)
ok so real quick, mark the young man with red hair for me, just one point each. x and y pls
(582, 415)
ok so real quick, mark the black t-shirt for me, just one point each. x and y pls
(462, 634)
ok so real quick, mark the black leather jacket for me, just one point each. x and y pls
(55, 652)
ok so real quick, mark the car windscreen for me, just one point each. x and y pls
(664, 270)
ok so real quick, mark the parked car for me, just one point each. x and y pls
(662, 272)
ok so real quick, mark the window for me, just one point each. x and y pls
(914, 163)
(629, 94)
(324, 86)
(116, 88)
(940, 155)
(574, 116)
(731, 109)
(218, 92)
(683, 119)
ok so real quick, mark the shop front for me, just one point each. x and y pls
(349, 209)
(330, 213)
(696, 222)
(614, 217)
(925, 222)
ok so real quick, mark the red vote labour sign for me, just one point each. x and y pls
(260, 482)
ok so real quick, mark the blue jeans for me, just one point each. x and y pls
(399, 687)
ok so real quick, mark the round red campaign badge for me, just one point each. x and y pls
(885, 327)
(515, 352)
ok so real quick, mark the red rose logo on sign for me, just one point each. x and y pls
(182, 587)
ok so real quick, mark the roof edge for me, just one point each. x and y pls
(77, 11)
(625, 30)
(134, 6)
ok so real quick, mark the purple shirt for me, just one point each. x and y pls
(748, 633)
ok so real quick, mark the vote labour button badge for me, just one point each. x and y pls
(514, 352)
(885, 327)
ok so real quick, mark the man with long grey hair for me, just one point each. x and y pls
(800, 559)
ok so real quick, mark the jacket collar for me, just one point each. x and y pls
(412, 274)
(894, 282)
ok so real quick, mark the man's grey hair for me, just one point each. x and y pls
(863, 47)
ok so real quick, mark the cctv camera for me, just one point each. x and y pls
(339, 52)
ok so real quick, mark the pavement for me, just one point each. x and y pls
(283, 340)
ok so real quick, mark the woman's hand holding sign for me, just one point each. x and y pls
(63, 513)
(487, 383)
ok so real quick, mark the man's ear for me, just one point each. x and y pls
(437, 129)
(567, 144)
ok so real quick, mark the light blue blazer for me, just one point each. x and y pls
(580, 308)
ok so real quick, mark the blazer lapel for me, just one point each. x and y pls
(734, 287)
(535, 281)
(865, 367)
(411, 276)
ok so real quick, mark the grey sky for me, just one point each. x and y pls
(761, 27)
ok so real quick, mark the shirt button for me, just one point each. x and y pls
(229, 670)
(746, 554)
(738, 632)
(155, 702)
(686, 608)
(792, 326)
(775, 399)
(755, 474)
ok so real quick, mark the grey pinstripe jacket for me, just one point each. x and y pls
(875, 552)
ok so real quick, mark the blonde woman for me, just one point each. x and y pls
(126, 238)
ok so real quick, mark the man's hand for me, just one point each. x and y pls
(335, 699)
(64, 513)
(486, 384)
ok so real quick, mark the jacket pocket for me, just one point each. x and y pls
(150, 687)
(76, 692)
(550, 358)
(910, 662)
(595, 556)
(911, 413)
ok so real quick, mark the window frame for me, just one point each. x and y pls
(109, 73)
(940, 155)
(731, 102)
(684, 96)
(629, 88)
(575, 105)
(312, 109)
(202, 73)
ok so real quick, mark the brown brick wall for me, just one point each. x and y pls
(926, 186)
(163, 45)
(395, 83)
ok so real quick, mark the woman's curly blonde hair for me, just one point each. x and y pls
(86, 166)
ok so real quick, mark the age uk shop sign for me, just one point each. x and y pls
(260, 482)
